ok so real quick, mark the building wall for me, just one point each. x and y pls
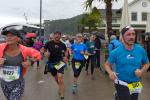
(137, 7)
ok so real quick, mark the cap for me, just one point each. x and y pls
(125, 29)
(79, 35)
(13, 31)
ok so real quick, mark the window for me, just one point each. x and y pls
(114, 20)
(134, 16)
(144, 16)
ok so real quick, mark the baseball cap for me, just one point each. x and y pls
(12, 31)
(79, 35)
(125, 29)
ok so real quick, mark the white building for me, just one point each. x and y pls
(138, 10)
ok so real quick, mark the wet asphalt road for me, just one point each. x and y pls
(43, 87)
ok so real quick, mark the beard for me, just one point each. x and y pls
(57, 38)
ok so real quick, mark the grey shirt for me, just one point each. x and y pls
(13, 61)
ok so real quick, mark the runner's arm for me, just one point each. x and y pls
(108, 68)
(145, 67)
(2, 60)
(44, 50)
(65, 58)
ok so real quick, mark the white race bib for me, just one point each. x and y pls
(135, 87)
(59, 65)
(77, 65)
(10, 73)
(86, 56)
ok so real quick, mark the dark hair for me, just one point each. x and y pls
(57, 32)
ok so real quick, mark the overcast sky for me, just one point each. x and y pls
(12, 11)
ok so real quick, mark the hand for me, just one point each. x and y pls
(65, 59)
(26, 64)
(138, 72)
(112, 76)
(2, 61)
(47, 54)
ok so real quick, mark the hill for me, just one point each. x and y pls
(68, 26)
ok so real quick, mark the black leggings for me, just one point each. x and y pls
(124, 94)
(75, 70)
(98, 58)
(91, 59)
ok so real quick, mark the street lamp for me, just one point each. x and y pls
(40, 32)
(26, 18)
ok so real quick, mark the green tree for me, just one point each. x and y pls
(92, 20)
(88, 4)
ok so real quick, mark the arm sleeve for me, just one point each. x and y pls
(34, 53)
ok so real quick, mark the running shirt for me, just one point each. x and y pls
(77, 48)
(57, 51)
(15, 61)
(127, 61)
(91, 47)
(113, 45)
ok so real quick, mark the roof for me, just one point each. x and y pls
(133, 2)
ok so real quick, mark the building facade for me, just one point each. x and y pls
(138, 10)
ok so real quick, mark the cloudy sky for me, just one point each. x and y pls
(13, 11)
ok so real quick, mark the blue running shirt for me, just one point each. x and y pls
(77, 48)
(127, 61)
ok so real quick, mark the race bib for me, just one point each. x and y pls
(92, 46)
(86, 56)
(77, 65)
(135, 87)
(10, 73)
(59, 65)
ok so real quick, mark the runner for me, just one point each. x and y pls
(13, 64)
(114, 43)
(56, 52)
(37, 45)
(79, 49)
(98, 48)
(131, 62)
(92, 58)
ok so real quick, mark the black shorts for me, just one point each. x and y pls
(75, 70)
(124, 94)
(53, 70)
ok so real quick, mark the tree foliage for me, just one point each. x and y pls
(88, 4)
(92, 19)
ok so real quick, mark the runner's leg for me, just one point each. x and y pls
(61, 84)
(123, 92)
(134, 96)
